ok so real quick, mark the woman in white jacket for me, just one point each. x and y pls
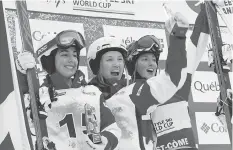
(64, 95)
(149, 111)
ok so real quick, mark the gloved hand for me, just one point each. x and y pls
(178, 19)
(47, 144)
(24, 61)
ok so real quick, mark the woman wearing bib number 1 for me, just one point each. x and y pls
(152, 112)
(64, 95)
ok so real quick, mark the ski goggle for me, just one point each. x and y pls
(148, 43)
(64, 40)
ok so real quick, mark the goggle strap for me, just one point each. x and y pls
(45, 47)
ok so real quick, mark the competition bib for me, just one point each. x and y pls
(173, 127)
(66, 119)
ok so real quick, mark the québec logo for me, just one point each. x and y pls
(56, 2)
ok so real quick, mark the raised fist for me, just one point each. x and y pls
(176, 19)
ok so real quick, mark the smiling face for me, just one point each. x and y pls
(66, 62)
(111, 65)
(146, 65)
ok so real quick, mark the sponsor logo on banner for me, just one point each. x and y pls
(57, 2)
(214, 127)
(91, 3)
(210, 130)
(98, 8)
(130, 34)
(108, 4)
(205, 87)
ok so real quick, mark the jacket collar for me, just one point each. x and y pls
(59, 82)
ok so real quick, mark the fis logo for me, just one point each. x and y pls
(56, 2)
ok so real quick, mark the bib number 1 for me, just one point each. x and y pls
(69, 121)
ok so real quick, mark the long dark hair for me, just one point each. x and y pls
(48, 64)
(51, 88)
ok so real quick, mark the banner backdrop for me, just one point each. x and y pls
(210, 130)
(143, 10)
(129, 20)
